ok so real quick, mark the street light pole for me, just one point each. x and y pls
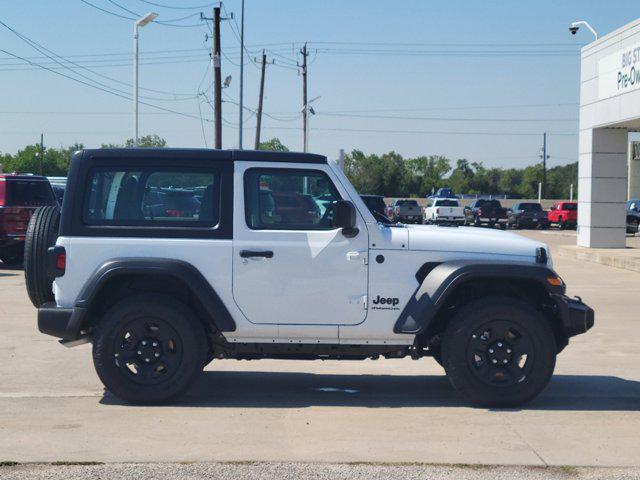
(141, 22)
(241, 76)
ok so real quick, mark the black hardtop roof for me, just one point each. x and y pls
(204, 154)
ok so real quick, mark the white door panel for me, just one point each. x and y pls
(314, 277)
(310, 279)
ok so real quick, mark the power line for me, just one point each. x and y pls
(101, 89)
(109, 12)
(178, 8)
(449, 119)
(431, 132)
(40, 48)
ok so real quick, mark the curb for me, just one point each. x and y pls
(627, 259)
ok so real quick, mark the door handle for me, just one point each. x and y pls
(254, 253)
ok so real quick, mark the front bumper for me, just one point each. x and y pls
(60, 322)
(576, 317)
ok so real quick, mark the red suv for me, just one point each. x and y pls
(564, 214)
(19, 196)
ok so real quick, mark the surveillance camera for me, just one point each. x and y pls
(573, 29)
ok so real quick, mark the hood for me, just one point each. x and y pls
(473, 240)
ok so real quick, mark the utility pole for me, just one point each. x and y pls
(261, 96)
(41, 151)
(217, 79)
(305, 110)
(241, 107)
(545, 157)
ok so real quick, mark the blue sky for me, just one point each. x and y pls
(475, 79)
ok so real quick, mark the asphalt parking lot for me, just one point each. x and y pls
(53, 408)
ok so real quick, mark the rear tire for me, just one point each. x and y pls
(561, 224)
(149, 349)
(499, 352)
(42, 233)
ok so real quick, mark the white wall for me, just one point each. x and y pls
(609, 107)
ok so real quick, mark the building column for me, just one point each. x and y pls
(602, 188)
(634, 170)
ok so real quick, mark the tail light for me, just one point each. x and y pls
(3, 191)
(57, 261)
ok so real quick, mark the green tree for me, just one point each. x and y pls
(274, 145)
(54, 162)
(145, 141)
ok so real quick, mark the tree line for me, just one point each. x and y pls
(389, 174)
(392, 175)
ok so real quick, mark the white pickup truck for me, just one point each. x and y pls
(443, 210)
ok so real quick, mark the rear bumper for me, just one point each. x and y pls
(444, 219)
(576, 317)
(530, 222)
(12, 240)
(60, 322)
(409, 218)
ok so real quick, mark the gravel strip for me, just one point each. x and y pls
(305, 471)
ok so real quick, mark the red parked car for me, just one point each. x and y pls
(564, 214)
(19, 197)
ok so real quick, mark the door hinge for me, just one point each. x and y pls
(365, 302)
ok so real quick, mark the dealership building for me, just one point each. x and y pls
(609, 165)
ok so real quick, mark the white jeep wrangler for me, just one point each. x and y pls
(167, 259)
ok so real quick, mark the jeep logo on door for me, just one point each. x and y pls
(385, 303)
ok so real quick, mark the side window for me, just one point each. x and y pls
(288, 199)
(152, 197)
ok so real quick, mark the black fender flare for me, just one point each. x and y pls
(442, 281)
(179, 269)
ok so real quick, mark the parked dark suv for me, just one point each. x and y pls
(19, 196)
(527, 215)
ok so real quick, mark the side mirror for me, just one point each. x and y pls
(344, 216)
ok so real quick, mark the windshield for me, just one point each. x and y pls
(569, 206)
(530, 207)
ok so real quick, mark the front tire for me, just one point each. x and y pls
(499, 352)
(149, 349)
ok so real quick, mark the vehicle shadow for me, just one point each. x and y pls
(299, 389)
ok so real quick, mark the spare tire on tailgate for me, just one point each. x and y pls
(42, 233)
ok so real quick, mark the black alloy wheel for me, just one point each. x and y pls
(149, 349)
(499, 351)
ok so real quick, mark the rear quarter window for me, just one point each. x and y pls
(152, 198)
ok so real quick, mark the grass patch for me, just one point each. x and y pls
(63, 463)
(8, 463)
